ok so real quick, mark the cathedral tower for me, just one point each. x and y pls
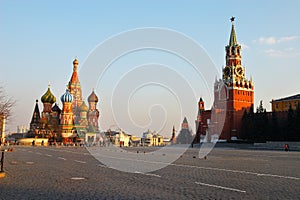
(83, 115)
(93, 113)
(47, 99)
(36, 118)
(75, 90)
(66, 118)
(234, 90)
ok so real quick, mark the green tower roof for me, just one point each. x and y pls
(48, 97)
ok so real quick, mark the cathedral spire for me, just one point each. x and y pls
(233, 53)
(232, 40)
(173, 138)
(74, 78)
(185, 124)
(36, 118)
(75, 90)
(36, 113)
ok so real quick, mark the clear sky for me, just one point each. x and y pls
(40, 39)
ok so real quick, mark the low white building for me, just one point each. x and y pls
(152, 138)
(119, 138)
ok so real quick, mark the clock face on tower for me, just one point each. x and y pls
(239, 71)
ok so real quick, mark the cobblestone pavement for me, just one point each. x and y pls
(72, 173)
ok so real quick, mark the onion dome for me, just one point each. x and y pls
(83, 107)
(93, 97)
(48, 97)
(55, 108)
(66, 97)
(75, 62)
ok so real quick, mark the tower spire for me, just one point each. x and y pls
(232, 40)
(173, 139)
(36, 118)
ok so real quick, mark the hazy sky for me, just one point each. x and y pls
(40, 39)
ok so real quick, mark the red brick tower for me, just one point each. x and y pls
(198, 121)
(185, 124)
(233, 90)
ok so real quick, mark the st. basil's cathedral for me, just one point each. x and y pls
(74, 122)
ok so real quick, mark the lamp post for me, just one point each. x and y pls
(2, 123)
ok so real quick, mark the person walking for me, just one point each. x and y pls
(286, 147)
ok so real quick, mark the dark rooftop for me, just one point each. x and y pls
(294, 97)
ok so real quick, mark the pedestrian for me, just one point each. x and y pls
(286, 147)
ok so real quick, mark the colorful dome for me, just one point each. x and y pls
(66, 97)
(48, 97)
(83, 107)
(93, 97)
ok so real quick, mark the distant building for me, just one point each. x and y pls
(284, 104)
(119, 138)
(135, 141)
(22, 129)
(152, 138)
(185, 135)
(202, 121)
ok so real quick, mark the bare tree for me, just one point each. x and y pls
(6, 104)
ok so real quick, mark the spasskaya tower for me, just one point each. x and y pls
(234, 90)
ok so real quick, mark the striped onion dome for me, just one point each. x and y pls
(66, 97)
(48, 97)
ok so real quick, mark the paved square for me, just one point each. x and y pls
(72, 173)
